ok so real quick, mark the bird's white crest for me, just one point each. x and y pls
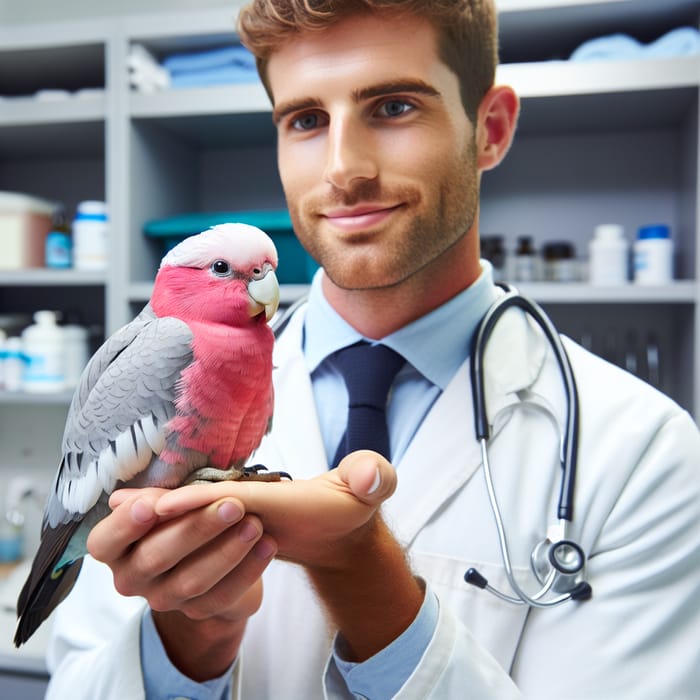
(240, 244)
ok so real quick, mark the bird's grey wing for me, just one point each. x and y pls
(104, 356)
(114, 427)
(117, 424)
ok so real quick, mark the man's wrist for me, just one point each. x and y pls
(200, 649)
(369, 590)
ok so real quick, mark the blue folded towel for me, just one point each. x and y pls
(684, 41)
(223, 75)
(206, 60)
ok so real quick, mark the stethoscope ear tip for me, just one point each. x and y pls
(475, 578)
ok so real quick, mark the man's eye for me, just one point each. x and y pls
(395, 108)
(306, 122)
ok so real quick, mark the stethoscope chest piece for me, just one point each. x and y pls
(558, 565)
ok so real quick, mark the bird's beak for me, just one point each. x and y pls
(264, 295)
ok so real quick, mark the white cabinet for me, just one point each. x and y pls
(598, 143)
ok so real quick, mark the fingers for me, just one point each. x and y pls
(370, 477)
(205, 562)
(112, 537)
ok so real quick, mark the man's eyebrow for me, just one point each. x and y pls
(390, 87)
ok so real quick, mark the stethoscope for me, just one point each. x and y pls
(557, 562)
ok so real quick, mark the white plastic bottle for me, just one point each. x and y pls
(42, 345)
(608, 255)
(90, 236)
(3, 355)
(75, 353)
(14, 364)
(653, 255)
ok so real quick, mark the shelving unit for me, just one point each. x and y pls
(597, 142)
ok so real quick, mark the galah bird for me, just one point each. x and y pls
(181, 394)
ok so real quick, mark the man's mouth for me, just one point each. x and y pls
(359, 218)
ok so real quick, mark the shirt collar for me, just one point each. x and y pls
(436, 344)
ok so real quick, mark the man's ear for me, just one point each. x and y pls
(496, 121)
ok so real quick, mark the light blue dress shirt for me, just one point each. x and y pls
(435, 346)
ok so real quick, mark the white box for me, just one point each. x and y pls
(25, 222)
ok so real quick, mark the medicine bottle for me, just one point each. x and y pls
(42, 345)
(58, 242)
(14, 364)
(653, 255)
(560, 262)
(90, 236)
(609, 254)
(493, 250)
(76, 353)
(525, 260)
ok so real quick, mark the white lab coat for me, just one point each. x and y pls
(637, 517)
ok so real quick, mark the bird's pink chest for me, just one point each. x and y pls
(224, 402)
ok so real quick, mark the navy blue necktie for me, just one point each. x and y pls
(368, 371)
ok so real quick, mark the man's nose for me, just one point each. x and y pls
(351, 154)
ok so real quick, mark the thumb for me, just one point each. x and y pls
(370, 477)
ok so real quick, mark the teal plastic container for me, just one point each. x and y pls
(296, 266)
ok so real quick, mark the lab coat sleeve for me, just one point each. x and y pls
(453, 666)
(94, 650)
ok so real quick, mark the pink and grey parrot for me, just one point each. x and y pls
(181, 394)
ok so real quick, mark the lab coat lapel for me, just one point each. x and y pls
(444, 454)
(296, 441)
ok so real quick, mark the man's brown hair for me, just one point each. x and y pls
(467, 33)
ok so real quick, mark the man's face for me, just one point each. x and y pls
(376, 154)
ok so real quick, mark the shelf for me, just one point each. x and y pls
(557, 78)
(41, 277)
(680, 292)
(228, 99)
(75, 107)
(22, 398)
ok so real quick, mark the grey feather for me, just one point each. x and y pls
(116, 420)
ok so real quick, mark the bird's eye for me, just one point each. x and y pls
(220, 267)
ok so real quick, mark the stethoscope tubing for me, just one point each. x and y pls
(565, 507)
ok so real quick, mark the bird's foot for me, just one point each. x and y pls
(259, 472)
(256, 472)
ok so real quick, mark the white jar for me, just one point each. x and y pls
(90, 236)
(75, 353)
(42, 345)
(608, 255)
(653, 255)
(14, 364)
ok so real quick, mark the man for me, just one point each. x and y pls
(387, 115)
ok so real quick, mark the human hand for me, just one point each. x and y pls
(311, 521)
(200, 572)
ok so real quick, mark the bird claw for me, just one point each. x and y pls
(211, 475)
(252, 473)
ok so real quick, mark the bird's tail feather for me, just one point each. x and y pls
(46, 586)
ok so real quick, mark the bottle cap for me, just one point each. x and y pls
(91, 210)
(654, 231)
(609, 232)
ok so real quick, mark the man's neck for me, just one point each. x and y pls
(376, 313)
